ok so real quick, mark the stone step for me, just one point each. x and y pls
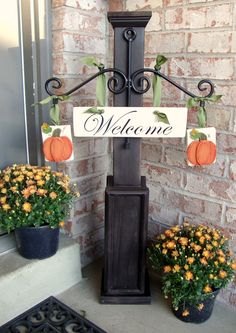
(24, 283)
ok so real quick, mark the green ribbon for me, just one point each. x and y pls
(156, 81)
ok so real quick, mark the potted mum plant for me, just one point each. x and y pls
(34, 202)
(195, 263)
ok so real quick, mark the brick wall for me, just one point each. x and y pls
(199, 38)
(79, 30)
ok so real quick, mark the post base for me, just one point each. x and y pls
(144, 298)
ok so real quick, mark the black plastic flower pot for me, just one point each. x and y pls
(196, 314)
(37, 242)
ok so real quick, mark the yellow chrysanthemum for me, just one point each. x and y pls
(61, 224)
(233, 265)
(171, 245)
(190, 260)
(6, 178)
(40, 182)
(27, 207)
(203, 261)
(188, 276)
(221, 259)
(4, 190)
(176, 268)
(207, 289)
(3, 200)
(200, 306)
(183, 241)
(41, 192)
(6, 207)
(222, 274)
(164, 251)
(185, 313)
(175, 253)
(53, 195)
(167, 269)
(206, 254)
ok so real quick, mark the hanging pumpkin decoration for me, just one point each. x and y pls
(201, 148)
(202, 152)
(56, 148)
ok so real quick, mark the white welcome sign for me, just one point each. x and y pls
(130, 122)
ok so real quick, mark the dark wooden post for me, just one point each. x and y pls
(125, 279)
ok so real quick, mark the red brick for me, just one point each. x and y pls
(90, 5)
(89, 204)
(87, 222)
(74, 42)
(203, 209)
(230, 216)
(72, 19)
(90, 184)
(143, 4)
(212, 16)
(163, 214)
(58, 3)
(155, 22)
(205, 42)
(175, 18)
(117, 5)
(151, 152)
(232, 170)
(218, 117)
(164, 43)
(219, 68)
(161, 175)
(215, 188)
(226, 143)
(172, 2)
(177, 157)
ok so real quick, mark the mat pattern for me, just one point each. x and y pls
(50, 316)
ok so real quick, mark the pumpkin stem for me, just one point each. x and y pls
(56, 132)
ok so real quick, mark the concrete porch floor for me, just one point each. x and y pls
(154, 318)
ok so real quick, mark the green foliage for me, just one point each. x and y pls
(196, 135)
(54, 110)
(199, 103)
(156, 81)
(101, 79)
(161, 117)
(33, 196)
(94, 110)
(193, 261)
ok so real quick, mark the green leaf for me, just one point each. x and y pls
(201, 116)
(55, 114)
(161, 117)
(44, 101)
(160, 60)
(63, 97)
(191, 102)
(56, 132)
(196, 135)
(46, 129)
(101, 89)
(156, 85)
(90, 61)
(214, 98)
(94, 110)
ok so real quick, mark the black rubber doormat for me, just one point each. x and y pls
(50, 316)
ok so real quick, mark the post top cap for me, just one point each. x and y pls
(129, 19)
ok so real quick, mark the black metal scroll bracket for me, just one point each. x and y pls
(127, 83)
(136, 81)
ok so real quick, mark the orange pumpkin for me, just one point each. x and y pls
(201, 152)
(57, 149)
